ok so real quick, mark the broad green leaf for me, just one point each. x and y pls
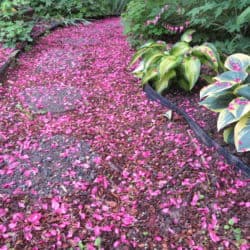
(242, 134)
(152, 59)
(231, 76)
(237, 62)
(224, 119)
(164, 82)
(204, 51)
(215, 88)
(243, 17)
(191, 70)
(168, 63)
(138, 72)
(150, 74)
(180, 49)
(137, 55)
(183, 84)
(243, 90)
(216, 53)
(228, 135)
(218, 102)
(239, 107)
(187, 36)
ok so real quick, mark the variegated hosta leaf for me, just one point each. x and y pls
(183, 84)
(204, 51)
(139, 70)
(164, 82)
(215, 88)
(225, 118)
(152, 59)
(168, 63)
(239, 107)
(191, 70)
(137, 56)
(243, 90)
(149, 75)
(216, 53)
(180, 49)
(237, 62)
(228, 135)
(242, 134)
(231, 76)
(149, 47)
(218, 102)
(187, 36)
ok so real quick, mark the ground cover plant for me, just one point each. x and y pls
(230, 96)
(225, 23)
(164, 65)
(106, 169)
(18, 17)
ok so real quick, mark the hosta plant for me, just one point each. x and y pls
(229, 95)
(162, 65)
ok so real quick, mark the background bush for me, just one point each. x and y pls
(17, 17)
(225, 23)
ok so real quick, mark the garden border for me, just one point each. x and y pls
(14, 55)
(199, 132)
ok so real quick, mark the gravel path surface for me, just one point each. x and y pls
(87, 161)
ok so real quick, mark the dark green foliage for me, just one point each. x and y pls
(139, 13)
(19, 16)
(225, 23)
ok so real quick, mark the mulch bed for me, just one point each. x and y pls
(151, 184)
(207, 119)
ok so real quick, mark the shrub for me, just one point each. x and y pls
(224, 23)
(229, 95)
(14, 25)
(152, 19)
(180, 64)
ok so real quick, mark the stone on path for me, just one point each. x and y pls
(58, 60)
(53, 99)
(59, 164)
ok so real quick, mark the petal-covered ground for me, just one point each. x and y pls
(88, 162)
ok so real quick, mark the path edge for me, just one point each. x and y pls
(16, 53)
(201, 135)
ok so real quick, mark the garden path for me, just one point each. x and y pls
(85, 157)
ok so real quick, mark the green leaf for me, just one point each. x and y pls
(242, 134)
(191, 70)
(228, 135)
(138, 72)
(179, 49)
(237, 62)
(150, 74)
(243, 90)
(163, 83)
(204, 51)
(215, 88)
(215, 51)
(98, 242)
(187, 36)
(183, 84)
(152, 59)
(231, 222)
(218, 102)
(225, 118)
(231, 76)
(137, 55)
(239, 107)
(168, 63)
